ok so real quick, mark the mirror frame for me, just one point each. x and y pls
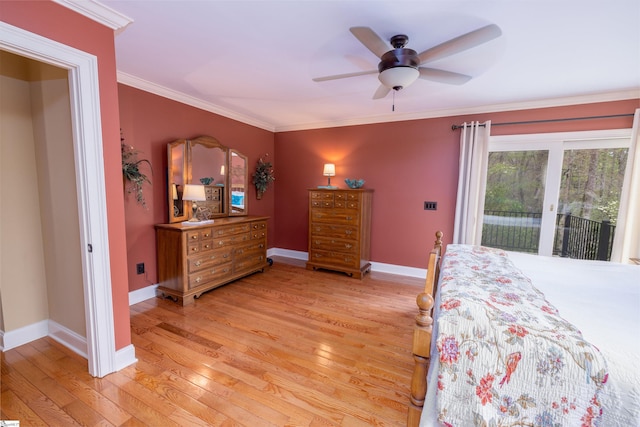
(245, 177)
(172, 216)
(187, 173)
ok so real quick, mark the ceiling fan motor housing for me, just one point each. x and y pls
(399, 57)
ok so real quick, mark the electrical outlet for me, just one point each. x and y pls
(430, 206)
(140, 268)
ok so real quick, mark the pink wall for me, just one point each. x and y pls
(60, 24)
(149, 122)
(406, 163)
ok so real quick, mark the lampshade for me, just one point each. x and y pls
(194, 193)
(398, 77)
(329, 169)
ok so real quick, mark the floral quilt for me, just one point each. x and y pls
(506, 356)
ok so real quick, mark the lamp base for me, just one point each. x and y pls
(328, 187)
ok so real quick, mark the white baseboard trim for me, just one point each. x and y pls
(375, 266)
(125, 356)
(41, 329)
(26, 334)
(68, 338)
(288, 253)
(142, 294)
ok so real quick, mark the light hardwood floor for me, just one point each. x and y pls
(287, 347)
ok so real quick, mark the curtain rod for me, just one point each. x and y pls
(455, 127)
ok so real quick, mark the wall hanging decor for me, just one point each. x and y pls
(131, 171)
(263, 176)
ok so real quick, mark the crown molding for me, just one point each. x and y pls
(147, 86)
(98, 12)
(480, 109)
(129, 80)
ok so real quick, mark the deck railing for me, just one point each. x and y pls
(576, 237)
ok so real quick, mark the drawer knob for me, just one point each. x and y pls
(194, 237)
(198, 263)
(198, 279)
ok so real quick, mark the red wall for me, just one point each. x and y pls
(149, 122)
(406, 163)
(58, 23)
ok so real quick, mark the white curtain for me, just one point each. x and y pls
(472, 180)
(626, 242)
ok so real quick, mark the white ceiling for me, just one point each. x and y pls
(254, 60)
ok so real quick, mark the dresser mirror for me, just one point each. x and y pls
(204, 161)
(238, 177)
(177, 177)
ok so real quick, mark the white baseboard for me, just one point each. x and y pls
(375, 266)
(68, 338)
(125, 356)
(26, 334)
(142, 294)
(35, 331)
(288, 253)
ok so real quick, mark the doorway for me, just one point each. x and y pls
(89, 180)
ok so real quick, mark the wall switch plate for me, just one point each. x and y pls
(140, 268)
(430, 206)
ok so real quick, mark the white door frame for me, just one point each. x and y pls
(89, 164)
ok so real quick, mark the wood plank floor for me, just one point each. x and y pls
(287, 347)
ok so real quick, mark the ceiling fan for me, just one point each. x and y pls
(400, 66)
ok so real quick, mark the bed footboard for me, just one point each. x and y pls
(422, 333)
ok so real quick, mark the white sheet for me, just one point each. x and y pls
(603, 300)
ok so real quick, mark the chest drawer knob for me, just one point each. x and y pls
(198, 263)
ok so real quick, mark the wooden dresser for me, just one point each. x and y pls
(193, 259)
(339, 230)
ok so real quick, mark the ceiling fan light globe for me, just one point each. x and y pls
(398, 77)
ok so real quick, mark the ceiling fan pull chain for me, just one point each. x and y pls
(393, 103)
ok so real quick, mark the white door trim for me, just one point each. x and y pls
(89, 163)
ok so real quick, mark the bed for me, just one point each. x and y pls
(529, 365)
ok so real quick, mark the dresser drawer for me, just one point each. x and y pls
(198, 235)
(255, 260)
(210, 274)
(335, 230)
(322, 195)
(247, 249)
(209, 259)
(231, 229)
(336, 245)
(336, 216)
(220, 242)
(259, 230)
(336, 259)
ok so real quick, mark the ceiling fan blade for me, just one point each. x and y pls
(381, 92)
(370, 40)
(443, 76)
(461, 43)
(344, 76)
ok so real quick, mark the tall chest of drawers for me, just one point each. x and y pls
(339, 230)
(193, 259)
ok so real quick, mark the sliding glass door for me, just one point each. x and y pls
(555, 194)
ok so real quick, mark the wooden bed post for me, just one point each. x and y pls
(422, 333)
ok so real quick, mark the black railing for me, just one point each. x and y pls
(583, 238)
(576, 237)
(512, 231)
